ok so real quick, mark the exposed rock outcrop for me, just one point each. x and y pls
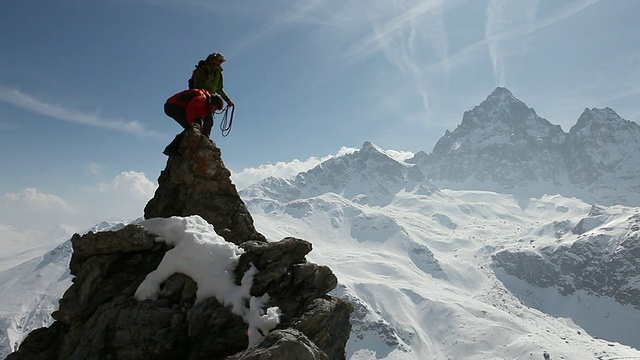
(99, 317)
(197, 183)
(599, 261)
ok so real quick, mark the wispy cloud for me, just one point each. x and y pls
(281, 169)
(300, 12)
(30, 103)
(620, 95)
(94, 168)
(35, 200)
(505, 17)
(390, 28)
(504, 33)
(566, 12)
(508, 23)
(122, 197)
(408, 36)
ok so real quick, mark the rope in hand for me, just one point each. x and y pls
(227, 120)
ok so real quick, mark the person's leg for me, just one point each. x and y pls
(208, 124)
(174, 147)
(177, 113)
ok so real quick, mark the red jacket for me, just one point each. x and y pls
(194, 101)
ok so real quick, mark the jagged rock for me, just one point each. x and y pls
(323, 324)
(298, 288)
(196, 182)
(100, 318)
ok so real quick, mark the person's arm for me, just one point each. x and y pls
(221, 92)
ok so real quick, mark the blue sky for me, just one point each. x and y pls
(83, 83)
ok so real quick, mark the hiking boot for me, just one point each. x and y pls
(173, 149)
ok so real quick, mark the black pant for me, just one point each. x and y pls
(208, 124)
(177, 113)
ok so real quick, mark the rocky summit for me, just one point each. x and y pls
(197, 183)
(100, 318)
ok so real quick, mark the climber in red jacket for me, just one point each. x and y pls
(188, 108)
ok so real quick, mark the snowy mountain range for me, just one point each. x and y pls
(502, 145)
(449, 273)
(510, 240)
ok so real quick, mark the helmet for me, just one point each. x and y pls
(216, 57)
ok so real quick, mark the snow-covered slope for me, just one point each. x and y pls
(29, 293)
(14, 250)
(419, 268)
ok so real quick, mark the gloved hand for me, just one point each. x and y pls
(229, 103)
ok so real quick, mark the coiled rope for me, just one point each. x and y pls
(227, 120)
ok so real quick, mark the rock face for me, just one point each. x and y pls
(99, 317)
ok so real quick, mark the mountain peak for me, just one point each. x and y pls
(368, 146)
(599, 114)
(501, 93)
(502, 99)
(499, 107)
(603, 120)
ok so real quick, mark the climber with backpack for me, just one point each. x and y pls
(208, 76)
(189, 108)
